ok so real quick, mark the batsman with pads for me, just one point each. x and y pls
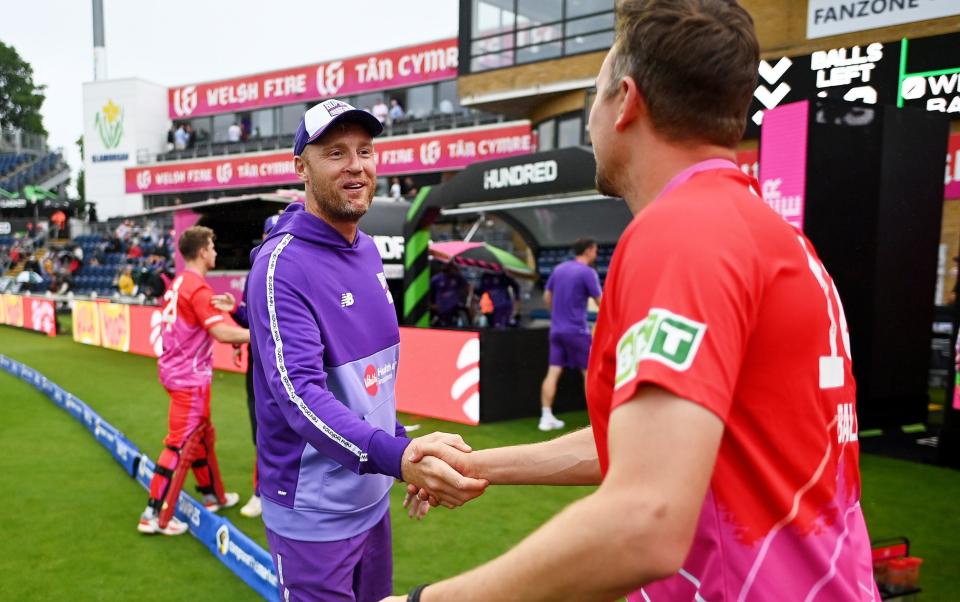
(190, 324)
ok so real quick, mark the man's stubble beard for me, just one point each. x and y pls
(331, 204)
(605, 184)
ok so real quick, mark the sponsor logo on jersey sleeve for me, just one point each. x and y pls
(663, 336)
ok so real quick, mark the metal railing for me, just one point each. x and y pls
(433, 122)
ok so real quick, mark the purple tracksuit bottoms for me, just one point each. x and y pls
(356, 569)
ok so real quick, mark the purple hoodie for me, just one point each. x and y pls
(324, 329)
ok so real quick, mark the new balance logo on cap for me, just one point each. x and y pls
(334, 107)
(320, 117)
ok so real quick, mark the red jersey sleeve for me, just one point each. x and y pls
(207, 316)
(684, 304)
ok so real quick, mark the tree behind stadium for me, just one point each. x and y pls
(20, 98)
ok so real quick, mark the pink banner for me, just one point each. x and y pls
(420, 153)
(783, 160)
(413, 65)
(182, 220)
(951, 177)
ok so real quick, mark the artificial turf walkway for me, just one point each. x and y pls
(70, 512)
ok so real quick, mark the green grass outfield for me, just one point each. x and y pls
(67, 526)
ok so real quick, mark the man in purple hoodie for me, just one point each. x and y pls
(324, 329)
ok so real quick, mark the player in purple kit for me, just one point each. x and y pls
(447, 292)
(325, 332)
(504, 292)
(570, 286)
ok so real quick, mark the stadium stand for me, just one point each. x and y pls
(18, 170)
(549, 258)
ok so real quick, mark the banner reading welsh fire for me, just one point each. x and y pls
(421, 64)
(420, 153)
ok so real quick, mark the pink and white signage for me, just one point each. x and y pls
(420, 153)
(420, 64)
(783, 160)
(951, 176)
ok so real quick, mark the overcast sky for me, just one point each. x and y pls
(184, 41)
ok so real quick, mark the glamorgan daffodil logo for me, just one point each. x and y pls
(110, 124)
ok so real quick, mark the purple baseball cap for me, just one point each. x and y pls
(321, 116)
(270, 223)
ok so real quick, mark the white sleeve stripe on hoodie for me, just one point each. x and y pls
(281, 365)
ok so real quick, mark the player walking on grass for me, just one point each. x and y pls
(190, 325)
(568, 290)
(720, 385)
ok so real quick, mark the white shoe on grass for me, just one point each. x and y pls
(550, 423)
(150, 525)
(252, 509)
(211, 503)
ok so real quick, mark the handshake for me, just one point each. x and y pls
(438, 471)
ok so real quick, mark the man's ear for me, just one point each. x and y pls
(300, 166)
(632, 103)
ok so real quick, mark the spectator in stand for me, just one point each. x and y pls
(234, 132)
(410, 186)
(125, 283)
(171, 137)
(58, 220)
(123, 230)
(395, 189)
(396, 111)
(148, 280)
(135, 251)
(180, 138)
(28, 279)
(32, 265)
(380, 111)
(191, 136)
(15, 254)
(72, 264)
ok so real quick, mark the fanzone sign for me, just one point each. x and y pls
(421, 153)
(833, 17)
(419, 64)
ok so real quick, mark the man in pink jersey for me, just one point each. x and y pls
(720, 389)
(190, 325)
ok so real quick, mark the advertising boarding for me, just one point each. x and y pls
(420, 153)
(413, 65)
